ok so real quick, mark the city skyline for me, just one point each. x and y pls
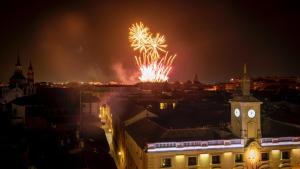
(149, 84)
(87, 41)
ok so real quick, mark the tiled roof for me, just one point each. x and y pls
(282, 129)
(147, 131)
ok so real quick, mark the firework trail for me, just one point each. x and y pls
(153, 60)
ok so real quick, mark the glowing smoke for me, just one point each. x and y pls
(123, 75)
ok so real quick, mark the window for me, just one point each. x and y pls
(264, 156)
(192, 161)
(239, 158)
(166, 162)
(285, 155)
(162, 106)
(174, 105)
(215, 159)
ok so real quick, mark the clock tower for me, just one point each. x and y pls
(245, 112)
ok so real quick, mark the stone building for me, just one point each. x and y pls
(200, 135)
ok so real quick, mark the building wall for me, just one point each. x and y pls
(180, 159)
(275, 158)
(243, 126)
(18, 114)
(295, 157)
(227, 158)
(118, 143)
(135, 154)
(91, 108)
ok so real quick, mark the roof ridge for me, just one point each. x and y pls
(194, 128)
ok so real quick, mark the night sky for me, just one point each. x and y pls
(88, 40)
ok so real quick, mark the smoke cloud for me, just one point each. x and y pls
(123, 75)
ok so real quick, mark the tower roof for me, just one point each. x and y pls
(245, 89)
(245, 69)
(30, 65)
(196, 78)
(17, 79)
(245, 82)
(18, 59)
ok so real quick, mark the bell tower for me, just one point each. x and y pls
(30, 74)
(18, 79)
(245, 112)
(30, 89)
(18, 64)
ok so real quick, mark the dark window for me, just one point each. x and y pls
(285, 155)
(215, 159)
(166, 162)
(239, 158)
(264, 156)
(192, 161)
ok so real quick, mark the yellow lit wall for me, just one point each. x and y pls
(204, 161)
(295, 157)
(179, 161)
(275, 158)
(227, 160)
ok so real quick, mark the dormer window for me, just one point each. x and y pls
(174, 105)
(163, 106)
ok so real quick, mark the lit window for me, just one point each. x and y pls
(192, 161)
(215, 159)
(166, 162)
(174, 105)
(285, 155)
(264, 156)
(163, 106)
(239, 158)
(252, 155)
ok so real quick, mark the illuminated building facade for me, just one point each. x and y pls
(142, 139)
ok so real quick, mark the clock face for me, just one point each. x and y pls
(251, 113)
(237, 112)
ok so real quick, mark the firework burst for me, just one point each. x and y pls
(153, 60)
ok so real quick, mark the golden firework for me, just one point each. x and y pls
(153, 67)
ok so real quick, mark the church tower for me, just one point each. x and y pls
(30, 89)
(18, 64)
(30, 74)
(245, 112)
(17, 79)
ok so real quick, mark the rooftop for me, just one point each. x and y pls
(198, 118)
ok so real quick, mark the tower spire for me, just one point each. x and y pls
(18, 64)
(30, 79)
(30, 65)
(18, 59)
(245, 83)
(17, 79)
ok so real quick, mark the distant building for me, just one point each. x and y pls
(192, 135)
(196, 79)
(90, 111)
(30, 88)
(90, 105)
(18, 79)
(11, 94)
(18, 85)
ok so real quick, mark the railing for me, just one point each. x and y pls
(192, 145)
(280, 141)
